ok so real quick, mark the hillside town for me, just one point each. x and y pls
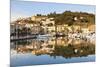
(43, 26)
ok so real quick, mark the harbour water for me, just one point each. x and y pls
(51, 51)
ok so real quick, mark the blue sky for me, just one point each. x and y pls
(29, 8)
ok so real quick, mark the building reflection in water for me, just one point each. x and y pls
(60, 46)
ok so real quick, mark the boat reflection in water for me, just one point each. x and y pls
(51, 51)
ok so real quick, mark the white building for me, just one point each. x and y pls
(48, 21)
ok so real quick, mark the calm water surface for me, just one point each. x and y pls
(51, 51)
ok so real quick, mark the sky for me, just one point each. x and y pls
(30, 8)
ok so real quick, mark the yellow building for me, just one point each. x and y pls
(91, 28)
(37, 18)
